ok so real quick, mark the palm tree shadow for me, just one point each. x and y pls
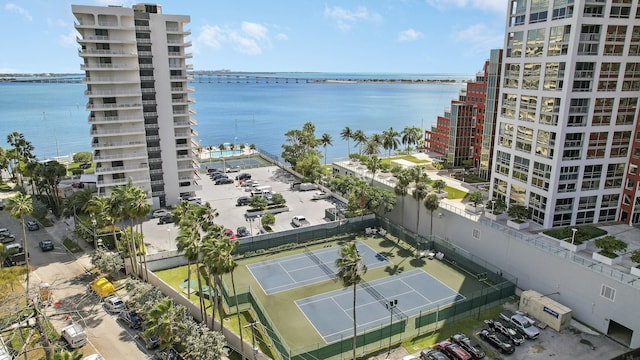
(405, 253)
(387, 254)
(394, 270)
(417, 262)
(386, 243)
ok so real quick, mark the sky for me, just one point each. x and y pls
(381, 36)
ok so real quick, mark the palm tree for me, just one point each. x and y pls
(374, 164)
(420, 192)
(402, 188)
(21, 152)
(431, 203)
(351, 268)
(390, 140)
(162, 321)
(439, 185)
(230, 265)
(140, 208)
(100, 208)
(347, 134)
(325, 140)
(21, 205)
(221, 148)
(360, 138)
(189, 243)
(410, 135)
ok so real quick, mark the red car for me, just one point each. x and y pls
(229, 233)
(453, 351)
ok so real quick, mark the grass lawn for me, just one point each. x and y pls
(584, 233)
(453, 193)
(296, 331)
(410, 158)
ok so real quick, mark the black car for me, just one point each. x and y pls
(213, 170)
(46, 245)
(468, 345)
(131, 318)
(165, 219)
(496, 341)
(223, 181)
(243, 176)
(243, 200)
(218, 176)
(32, 225)
(150, 342)
(242, 232)
(432, 354)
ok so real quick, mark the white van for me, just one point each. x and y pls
(195, 200)
(15, 248)
(75, 335)
(299, 220)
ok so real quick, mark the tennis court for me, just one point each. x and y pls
(331, 313)
(307, 268)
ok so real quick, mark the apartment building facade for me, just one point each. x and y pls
(142, 129)
(566, 137)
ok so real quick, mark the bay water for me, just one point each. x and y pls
(53, 117)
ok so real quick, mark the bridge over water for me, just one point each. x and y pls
(217, 77)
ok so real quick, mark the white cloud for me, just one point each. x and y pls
(488, 5)
(282, 37)
(409, 35)
(69, 40)
(250, 38)
(17, 9)
(480, 38)
(345, 18)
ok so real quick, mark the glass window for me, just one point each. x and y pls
(535, 42)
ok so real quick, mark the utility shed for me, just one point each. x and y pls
(546, 310)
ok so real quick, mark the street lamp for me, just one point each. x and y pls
(573, 236)
(95, 235)
(390, 306)
(253, 336)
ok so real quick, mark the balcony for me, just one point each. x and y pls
(114, 119)
(119, 169)
(118, 132)
(116, 182)
(122, 156)
(110, 80)
(96, 67)
(117, 145)
(102, 53)
(112, 93)
(120, 106)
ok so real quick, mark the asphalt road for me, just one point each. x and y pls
(69, 281)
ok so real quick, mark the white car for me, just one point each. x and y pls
(93, 357)
(320, 195)
(160, 213)
(113, 303)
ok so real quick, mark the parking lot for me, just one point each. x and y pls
(223, 199)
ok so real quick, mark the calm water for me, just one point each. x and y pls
(54, 119)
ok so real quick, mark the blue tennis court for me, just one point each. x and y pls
(332, 313)
(307, 268)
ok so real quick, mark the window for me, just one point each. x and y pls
(554, 76)
(511, 76)
(531, 76)
(524, 139)
(535, 42)
(499, 188)
(632, 71)
(528, 105)
(608, 292)
(568, 179)
(620, 144)
(545, 143)
(581, 85)
(564, 205)
(517, 193)
(503, 163)
(509, 105)
(591, 177)
(615, 173)
(549, 109)
(538, 11)
(602, 112)
(506, 134)
(587, 202)
(518, 11)
(634, 49)
(521, 169)
(620, 9)
(610, 201)
(475, 233)
(538, 205)
(514, 44)
(540, 175)
(597, 145)
(558, 40)
(593, 10)
(562, 9)
(589, 40)
(626, 111)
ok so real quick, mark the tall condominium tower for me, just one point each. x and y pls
(135, 62)
(567, 142)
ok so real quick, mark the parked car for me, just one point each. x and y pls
(470, 346)
(242, 232)
(243, 176)
(160, 213)
(218, 176)
(32, 225)
(212, 170)
(229, 233)
(522, 324)
(150, 342)
(93, 357)
(232, 169)
(453, 351)
(496, 341)
(243, 200)
(170, 354)
(320, 195)
(167, 219)
(6, 238)
(46, 245)
(505, 329)
(223, 181)
(299, 220)
(131, 318)
(113, 303)
(432, 354)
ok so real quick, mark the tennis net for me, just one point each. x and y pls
(319, 262)
(382, 300)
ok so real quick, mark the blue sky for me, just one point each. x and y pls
(383, 36)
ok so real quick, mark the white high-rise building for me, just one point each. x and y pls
(567, 140)
(135, 62)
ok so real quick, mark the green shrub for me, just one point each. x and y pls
(610, 246)
(584, 233)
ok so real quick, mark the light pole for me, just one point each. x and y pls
(573, 236)
(253, 336)
(169, 238)
(250, 220)
(390, 306)
(95, 235)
